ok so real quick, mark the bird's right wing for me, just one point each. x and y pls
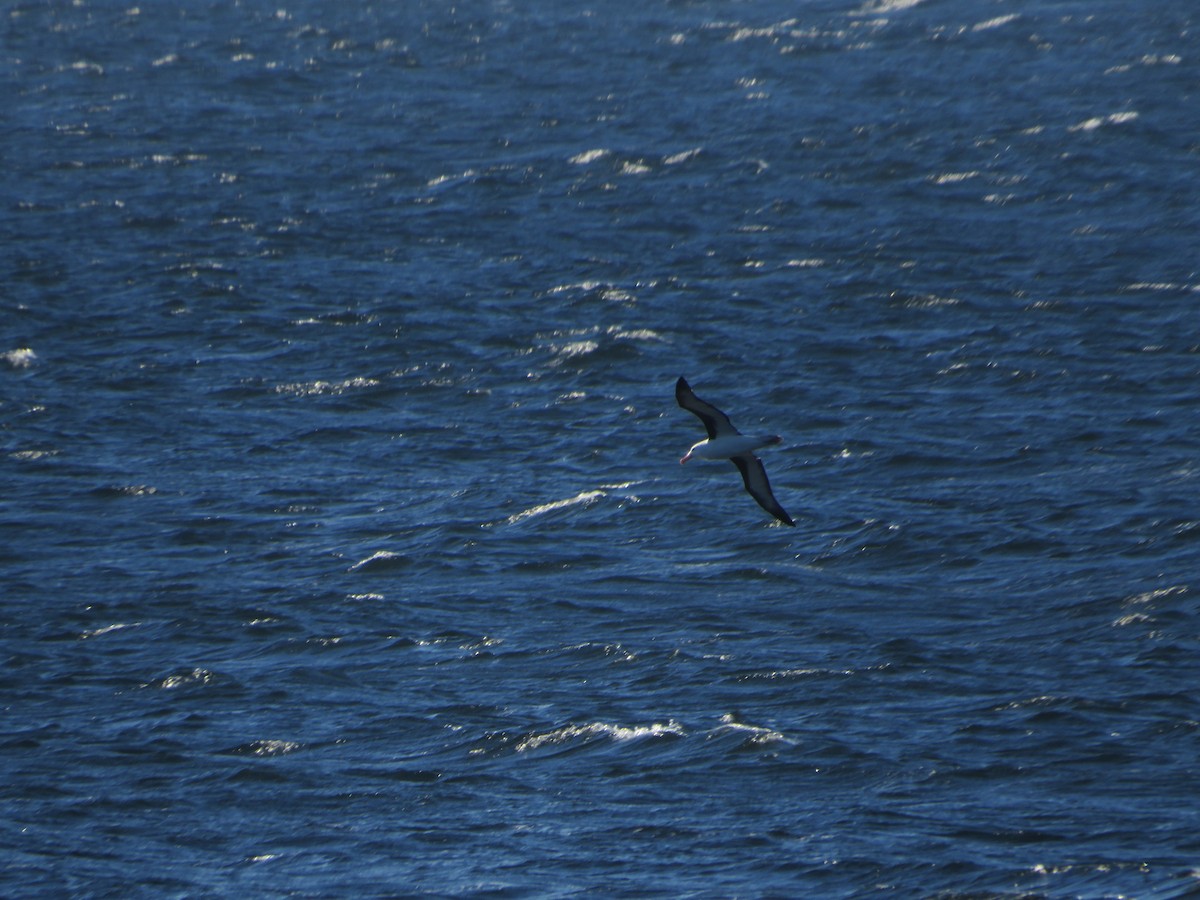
(754, 476)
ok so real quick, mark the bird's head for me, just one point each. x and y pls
(696, 449)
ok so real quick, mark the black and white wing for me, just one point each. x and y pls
(754, 476)
(716, 423)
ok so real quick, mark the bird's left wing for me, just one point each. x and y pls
(716, 423)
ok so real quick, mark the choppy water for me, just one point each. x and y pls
(345, 551)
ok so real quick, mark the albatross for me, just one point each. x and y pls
(726, 442)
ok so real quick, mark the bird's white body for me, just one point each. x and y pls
(727, 446)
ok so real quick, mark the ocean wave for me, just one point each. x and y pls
(568, 734)
(583, 499)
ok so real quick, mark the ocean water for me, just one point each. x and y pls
(344, 548)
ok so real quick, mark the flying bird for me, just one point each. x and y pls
(726, 442)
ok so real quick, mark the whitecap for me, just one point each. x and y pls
(379, 556)
(787, 674)
(107, 629)
(996, 22)
(1039, 701)
(617, 733)
(677, 158)
(90, 68)
(746, 32)
(887, 6)
(1133, 619)
(954, 177)
(588, 156)
(617, 295)
(132, 490)
(1162, 286)
(584, 286)
(31, 455)
(195, 676)
(577, 348)
(320, 388)
(1154, 595)
(267, 748)
(584, 342)
(1100, 121)
(636, 334)
(584, 498)
(21, 358)
(753, 734)
(452, 179)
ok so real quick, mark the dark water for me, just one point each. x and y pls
(345, 551)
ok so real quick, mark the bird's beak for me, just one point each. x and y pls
(685, 459)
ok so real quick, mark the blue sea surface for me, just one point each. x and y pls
(344, 547)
